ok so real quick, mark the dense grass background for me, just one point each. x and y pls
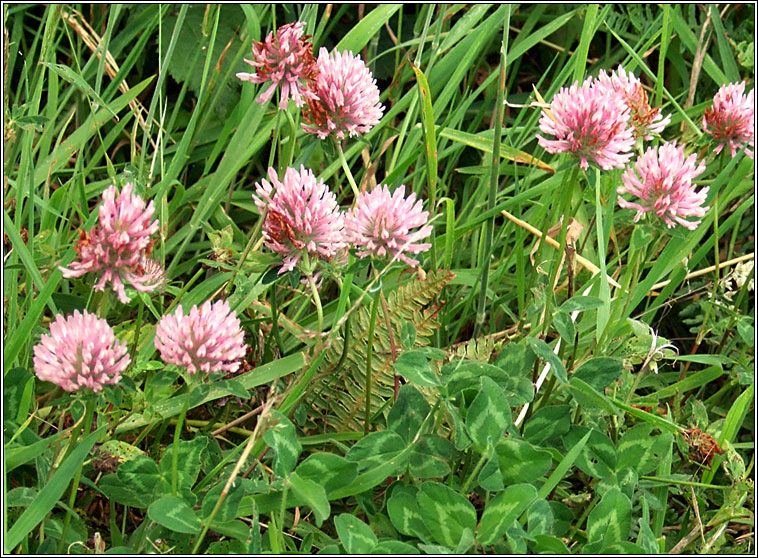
(96, 95)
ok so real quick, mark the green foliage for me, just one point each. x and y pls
(637, 439)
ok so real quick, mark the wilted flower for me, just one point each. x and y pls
(81, 351)
(301, 216)
(208, 339)
(119, 245)
(346, 97)
(644, 120)
(731, 119)
(283, 61)
(662, 180)
(381, 223)
(589, 123)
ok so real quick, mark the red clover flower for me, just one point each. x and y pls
(346, 97)
(81, 351)
(380, 224)
(208, 339)
(284, 61)
(119, 245)
(645, 121)
(301, 216)
(591, 124)
(662, 181)
(731, 119)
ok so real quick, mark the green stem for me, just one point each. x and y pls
(474, 473)
(84, 430)
(177, 437)
(346, 168)
(250, 243)
(369, 354)
(565, 213)
(317, 302)
(275, 320)
(492, 196)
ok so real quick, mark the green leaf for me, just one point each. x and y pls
(50, 493)
(580, 303)
(394, 547)
(690, 382)
(540, 518)
(639, 450)
(282, 438)
(264, 374)
(378, 472)
(515, 359)
(173, 513)
(354, 534)
(462, 439)
(188, 461)
(18, 388)
(564, 326)
(230, 505)
(375, 449)
(544, 351)
(403, 510)
(72, 77)
(484, 144)
(598, 459)
(520, 462)
(430, 142)
(140, 476)
(488, 416)
(234, 387)
(329, 470)
(588, 397)
(563, 517)
(548, 423)
(490, 478)
(467, 375)
(445, 513)
(734, 419)
(599, 372)
(313, 494)
(408, 413)
(414, 366)
(547, 544)
(118, 491)
(17, 455)
(566, 463)
(611, 519)
(430, 457)
(361, 33)
(503, 510)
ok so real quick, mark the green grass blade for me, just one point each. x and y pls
(50, 494)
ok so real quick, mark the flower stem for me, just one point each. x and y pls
(346, 168)
(369, 354)
(177, 437)
(565, 214)
(82, 431)
(317, 302)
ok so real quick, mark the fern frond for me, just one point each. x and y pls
(340, 397)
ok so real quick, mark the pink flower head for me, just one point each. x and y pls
(381, 223)
(662, 181)
(589, 123)
(119, 245)
(284, 61)
(301, 216)
(208, 339)
(732, 118)
(81, 351)
(347, 98)
(644, 120)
